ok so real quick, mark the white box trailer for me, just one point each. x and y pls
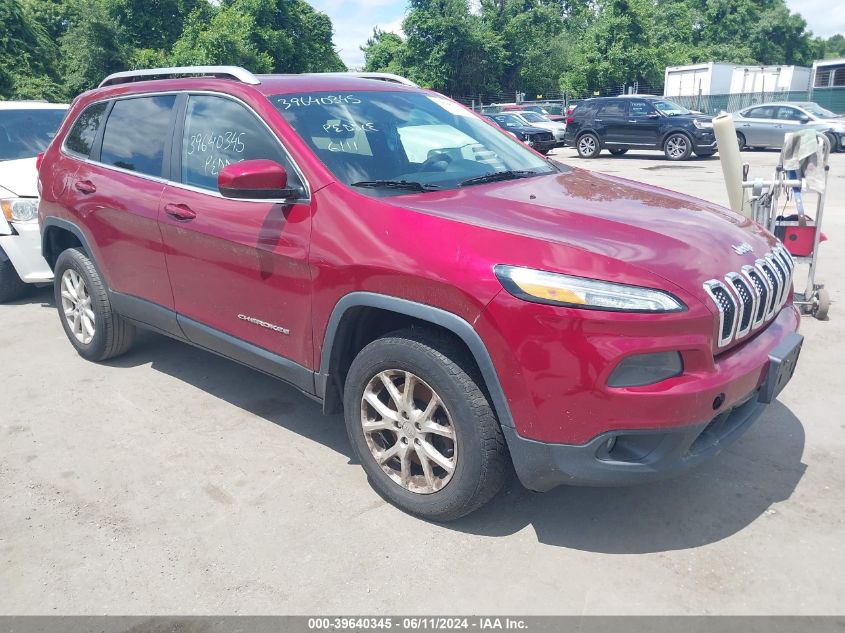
(710, 78)
(769, 79)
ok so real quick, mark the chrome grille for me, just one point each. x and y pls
(744, 293)
(750, 298)
(727, 305)
(774, 283)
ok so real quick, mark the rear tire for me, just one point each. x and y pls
(92, 326)
(677, 147)
(831, 139)
(446, 421)
(618, 151)
(11, 286)
(588, 145)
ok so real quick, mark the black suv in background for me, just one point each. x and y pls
(622, 123)
(540, 139)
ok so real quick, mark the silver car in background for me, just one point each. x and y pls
(767, 124)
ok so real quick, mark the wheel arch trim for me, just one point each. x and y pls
(70, 227)
(436, 316)
(673, 131)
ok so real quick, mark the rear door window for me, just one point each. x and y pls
(136, 134)
(765, 112)
(81, 137)
(612, 109)
(218, 132)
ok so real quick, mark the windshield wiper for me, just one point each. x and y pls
(410, 185)
(497, 176)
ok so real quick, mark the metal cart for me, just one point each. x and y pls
(800, 233)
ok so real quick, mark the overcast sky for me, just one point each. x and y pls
(354, 20)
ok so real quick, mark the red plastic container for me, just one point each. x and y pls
(799, 239)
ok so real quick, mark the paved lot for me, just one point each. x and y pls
(173, 481)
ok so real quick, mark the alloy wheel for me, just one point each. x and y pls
(587, 145)
(676, 147)
(76, 306)
(409, 431)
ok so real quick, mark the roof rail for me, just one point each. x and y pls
(388, 77)
(223, 72)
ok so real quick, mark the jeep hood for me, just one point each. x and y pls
(19, 178)
(682, 239)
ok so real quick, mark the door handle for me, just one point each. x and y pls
(179, 211)
(84, 186)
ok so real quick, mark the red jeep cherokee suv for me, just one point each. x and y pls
(467, 303)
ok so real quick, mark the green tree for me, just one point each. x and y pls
(534, 36)
(224, 39)
(152, 24)
(751, 31)
(27, 55)
(93, 46)
(619, 47)
(385, 52)
(834, 46)
(451, 49)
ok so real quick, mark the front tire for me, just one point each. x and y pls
(677, 147)
(92, 326)
(422, 427)
(11, 286)
(588, 145)
(740, 140)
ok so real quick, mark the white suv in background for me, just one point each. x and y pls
(26, 128)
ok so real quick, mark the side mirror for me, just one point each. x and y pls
(258, 179)
(804, 119)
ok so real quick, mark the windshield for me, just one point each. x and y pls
(25, 133)
(668, 108)
(533, 117)
(383, 140)
(814, 109)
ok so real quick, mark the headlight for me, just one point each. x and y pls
(578, 292)
(20, 209)
(702, 125)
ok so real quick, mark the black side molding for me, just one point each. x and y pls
(455, 324)
(248, 354)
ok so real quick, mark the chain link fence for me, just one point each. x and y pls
(831, 98)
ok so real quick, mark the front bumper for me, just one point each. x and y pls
(625, 457)
(543, 146)
(23, 248)
(636, 456)
(704, 140)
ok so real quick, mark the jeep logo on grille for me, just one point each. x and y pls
(742, 249)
